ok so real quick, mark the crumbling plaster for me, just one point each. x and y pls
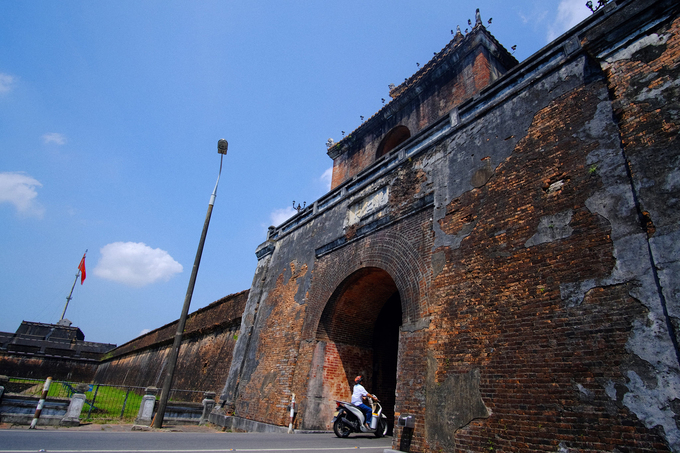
(484, 143)
(452, 404)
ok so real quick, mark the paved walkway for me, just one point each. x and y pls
(121, 438)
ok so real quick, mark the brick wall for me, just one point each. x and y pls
(205, 355)
(267, 393)
(42, 366)
(532, 239)
(544, 365)
(474, 61)
(643, 82)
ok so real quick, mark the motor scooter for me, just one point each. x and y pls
(350, 419)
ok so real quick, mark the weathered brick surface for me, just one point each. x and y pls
(267, 393)
(204, 358)
(544, 366)
(298, 338)
(41, 367)
(222, 311)
(411, 392)
(643, 82)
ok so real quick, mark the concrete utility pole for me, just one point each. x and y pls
(222, 146)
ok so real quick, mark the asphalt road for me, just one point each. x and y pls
(118, 442)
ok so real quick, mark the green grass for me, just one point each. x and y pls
(108, 403)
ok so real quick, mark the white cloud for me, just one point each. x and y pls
(327, 177)
(135, 264)
(279, 216)
(54, 137)
(18, 189)
(144, 332)
(569, 13)
(6, 82)
(535, 16)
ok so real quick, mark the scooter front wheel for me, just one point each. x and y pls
(340, 429)
(381, 429)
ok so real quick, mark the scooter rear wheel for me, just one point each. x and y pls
(340, 429)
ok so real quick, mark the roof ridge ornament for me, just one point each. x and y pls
(600, 4)
(478, 18)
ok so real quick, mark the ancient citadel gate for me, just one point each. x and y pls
(498, 253)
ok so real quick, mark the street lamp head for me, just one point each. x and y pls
(222, 146)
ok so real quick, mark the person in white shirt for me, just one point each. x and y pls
(358, 396)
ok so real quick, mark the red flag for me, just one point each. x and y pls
(81, 268)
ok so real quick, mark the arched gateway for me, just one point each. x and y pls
(359, 299)
(359, 334)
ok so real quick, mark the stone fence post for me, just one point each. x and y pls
(3, 381)
(208, 405)
(146, 408)
(75, 407)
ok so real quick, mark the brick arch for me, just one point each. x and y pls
(350, 314)
(395, 137)
(387, 250)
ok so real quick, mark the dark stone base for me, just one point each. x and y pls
(242, 424)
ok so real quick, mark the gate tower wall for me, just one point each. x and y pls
(532, 234)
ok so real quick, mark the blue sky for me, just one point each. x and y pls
(110, 113)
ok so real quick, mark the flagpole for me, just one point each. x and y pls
(68, 299)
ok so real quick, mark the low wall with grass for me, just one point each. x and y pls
(103, 403)
(205, 356)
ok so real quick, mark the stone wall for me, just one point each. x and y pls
(42, 366)
(204, 358)
(507, 274)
